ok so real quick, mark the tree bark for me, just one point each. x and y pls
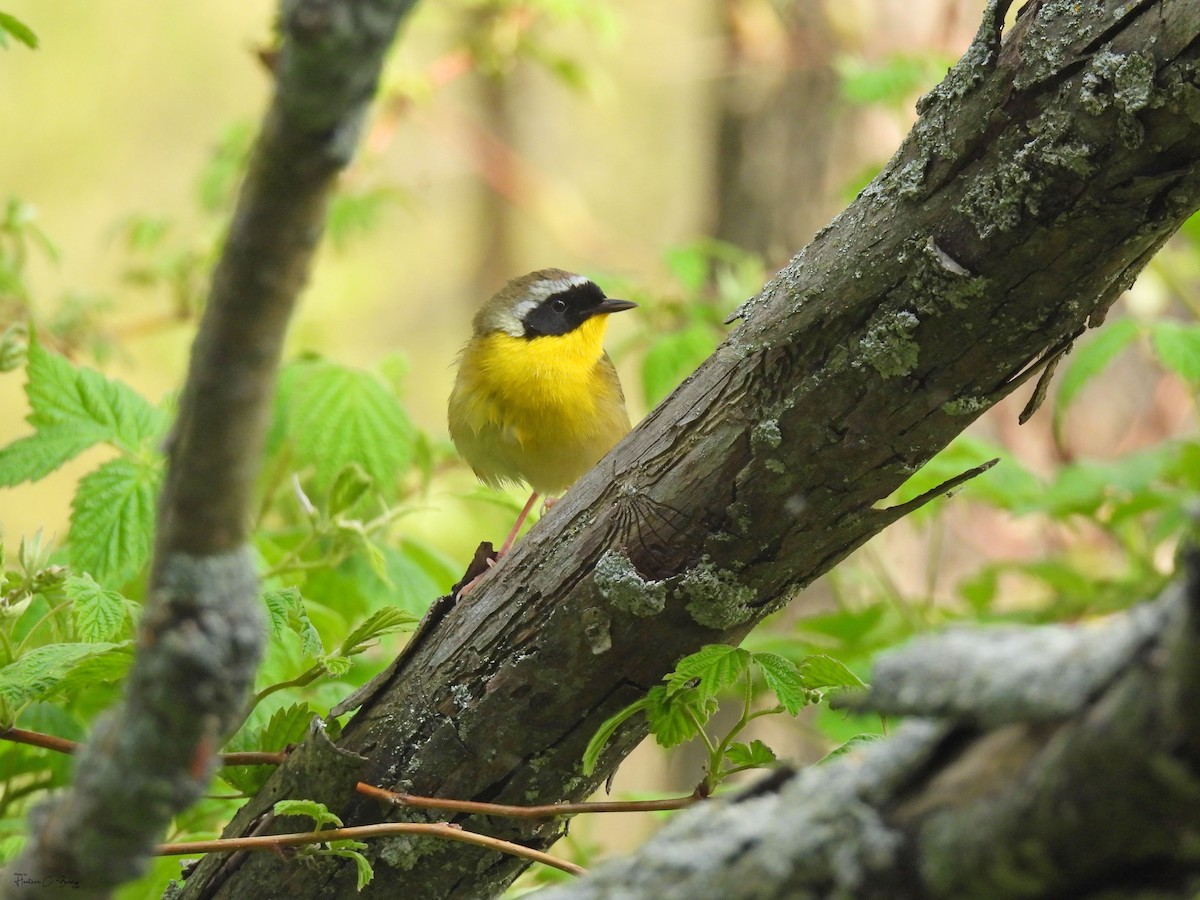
(1044, 173)
(201, 633)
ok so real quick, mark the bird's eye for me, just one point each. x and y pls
(558, 305)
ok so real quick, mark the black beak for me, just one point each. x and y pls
(611, 305)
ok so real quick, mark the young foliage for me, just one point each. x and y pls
(680, 708)
(321, 816)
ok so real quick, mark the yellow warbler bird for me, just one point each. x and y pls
(537, 399)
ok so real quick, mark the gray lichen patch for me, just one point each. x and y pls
(1125, 81)
(940, 282)
(965, 406)
(996, 201)
(888, 346)
(715, 597)
(766, 434)
(620, 583)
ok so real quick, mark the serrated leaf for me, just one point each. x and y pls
(756, 754)
(591, 754)
(715, 666)
(335, 665)
(337, 416)
(784, 680)
(855, 742)
(37, 455)
(106, 667)
(112, 518)
(81, 398)
(1089, 359)
(822, 671)
(287, 725)
(318, 812)
(39, 672)
(1177, 346)
(381, 622)
(679, 716)
(98, 613)
(18, 29)
(285, 610)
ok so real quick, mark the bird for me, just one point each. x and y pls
(536, 398)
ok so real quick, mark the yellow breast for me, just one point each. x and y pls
(541, 410)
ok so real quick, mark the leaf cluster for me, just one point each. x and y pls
(680, 708)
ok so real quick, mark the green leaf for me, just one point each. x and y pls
(381, 622)
(352, 214)
(37, 455)
(98, 613)
(756, 754)
(673, 357)
(1083, 487)
(891, 81)
(287, 725)
(822, 671)
(1089, 359)
(591, 754)
(335, 665)
(112, 519)
(854, 743)
(351, 483)
(784, 679)
(677, 717)
(1177, 346)
(10, 25)
(40, 671)
(350, 850)
(105, 667)
(84, 400)
(690, 265)
(1006, 485)
(337, 416)
(285, 610)
(318, 812)
(715, 666)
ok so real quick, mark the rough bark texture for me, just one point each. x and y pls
(1059, 761)
(202, 631)
(1042, 176)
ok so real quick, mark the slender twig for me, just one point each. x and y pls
(37, 739)
(432, 829)
(62, 745)
(545, 811)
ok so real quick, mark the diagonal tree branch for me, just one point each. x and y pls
(201, 633)
(1044, 173)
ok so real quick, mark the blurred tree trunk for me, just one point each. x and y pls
(776, 125)
(1044, 173)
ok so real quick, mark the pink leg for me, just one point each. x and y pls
(512, 535)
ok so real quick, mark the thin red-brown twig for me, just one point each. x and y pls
(62, 745)
(546, 811)
(436, 829)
